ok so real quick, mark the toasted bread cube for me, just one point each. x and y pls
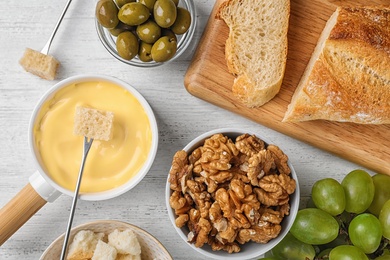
(93, 123)
(125, 242)
(44, 66)
(83, 245)
(104, 251)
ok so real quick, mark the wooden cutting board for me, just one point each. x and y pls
(208, 78)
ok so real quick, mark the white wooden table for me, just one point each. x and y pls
(181, 117)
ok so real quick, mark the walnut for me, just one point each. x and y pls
(200, 232)
(200, 196)
(259, 233)
(280, 159)
(226, 204)
(221, 177)
(284, 209)
(259, 165)
(228, 235)
(215, 215)
(179, 203)
(217, 152)
(237, 187)
(249, 144)
(178, 169)
(181, 220)
(229, 247)
(275, 189)
(176, 201)
(212, 186)
(271, 216)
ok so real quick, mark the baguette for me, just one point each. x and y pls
(348, 76)
(256, 49)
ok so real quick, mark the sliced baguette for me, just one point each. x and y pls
(348, 76)
(256, 49)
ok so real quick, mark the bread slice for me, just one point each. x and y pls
(93, 123)
(348, 76)
(44, 66)
(256, 49)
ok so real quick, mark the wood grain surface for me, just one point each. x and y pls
(208, 78)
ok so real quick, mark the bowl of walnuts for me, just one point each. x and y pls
(145, 33)
(231, 195)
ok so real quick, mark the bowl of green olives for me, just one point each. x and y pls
(145, 33)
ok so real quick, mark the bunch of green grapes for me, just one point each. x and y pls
(343, 221)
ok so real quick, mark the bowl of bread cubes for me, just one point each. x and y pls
(108, 240)
(231, 195)
(145, 33)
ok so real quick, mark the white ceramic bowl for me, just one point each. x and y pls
(248, 250)
(183, 41)
(43, 189)
(151, 248)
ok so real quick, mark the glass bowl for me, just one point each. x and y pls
(183, 41)
(249, 250)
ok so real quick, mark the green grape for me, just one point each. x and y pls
(359, 191)
(314, 226)
(382, 193)
(347, 252)
(292, 249)
(384, 219)
(324, 254)
(328, 195)
(383, 257)
(365, 232)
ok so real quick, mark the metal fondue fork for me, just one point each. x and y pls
(87, 146)
(46, 48)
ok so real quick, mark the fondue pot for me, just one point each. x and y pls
(42, 188)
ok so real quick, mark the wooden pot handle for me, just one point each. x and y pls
(18, 210)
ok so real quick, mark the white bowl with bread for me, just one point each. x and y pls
(109, 240)
(217, 198)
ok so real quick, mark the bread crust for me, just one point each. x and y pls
(251, 86)
(350, 79)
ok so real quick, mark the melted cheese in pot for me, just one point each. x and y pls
(109, 163)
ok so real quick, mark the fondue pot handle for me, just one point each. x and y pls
(24, 205)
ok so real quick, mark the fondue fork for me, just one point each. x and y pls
(87, 146)
(92, 124)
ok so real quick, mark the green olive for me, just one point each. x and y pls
(183, 21)
(176, 2)
(121, 3)
(148, 32)
(127, 45)
(148, 3)
(121, 27)
(169, 33)
(165, 13)
(133, 13)
(145, 52)
(164, 49)
(107, 13)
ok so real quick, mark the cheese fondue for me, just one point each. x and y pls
(109, 163)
